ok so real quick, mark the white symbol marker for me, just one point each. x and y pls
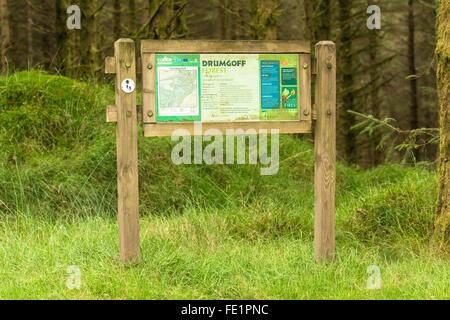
(128, 86)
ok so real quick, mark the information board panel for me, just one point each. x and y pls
(276, 76)
(227, 87)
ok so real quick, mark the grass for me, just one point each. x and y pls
(207, 232)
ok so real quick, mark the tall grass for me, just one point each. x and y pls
(220, 231)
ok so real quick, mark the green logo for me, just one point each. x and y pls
(289, 97)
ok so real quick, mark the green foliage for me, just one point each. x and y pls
(40, 112)
(400, 210)
(404, 141)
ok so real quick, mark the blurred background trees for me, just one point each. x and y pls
(387, 73)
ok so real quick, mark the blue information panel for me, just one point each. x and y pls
(270, 84)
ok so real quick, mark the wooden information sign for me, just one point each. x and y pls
(224, 85)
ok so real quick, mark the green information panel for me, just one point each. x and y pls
(227, 87)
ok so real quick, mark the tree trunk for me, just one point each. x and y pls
(317, 24)
(180, 28)
(163, 27)
(374, 75)
(225, 26)
(117, 20)
(44, 43)
(324, 27)
(90, 59)
(4, 36)
(308, 32)
(264, 16)
(95, 43)
(131, 17)
(317, 20)
(60, 59)
(414, 108)
(29, 36)
(347, 81)
(441, 236)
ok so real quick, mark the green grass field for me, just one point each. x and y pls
(207, 232)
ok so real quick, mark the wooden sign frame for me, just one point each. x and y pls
(320, 120)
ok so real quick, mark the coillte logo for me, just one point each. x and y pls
(165, 60)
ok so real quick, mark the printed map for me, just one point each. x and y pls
(178, 90)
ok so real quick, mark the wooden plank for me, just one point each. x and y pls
(305, 86)
(110, 65)
(314, 66)
(127, 153)
(148, 88)
(225, 46)
(325, 152)
(169, 128)
(111, 113)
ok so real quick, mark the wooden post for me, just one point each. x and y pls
(127, 153)
(305, 87)
(325, 152)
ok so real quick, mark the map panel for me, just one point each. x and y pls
(178, 87)
(178, 91)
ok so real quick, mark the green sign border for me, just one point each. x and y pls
(193, 61)
(292, 61)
